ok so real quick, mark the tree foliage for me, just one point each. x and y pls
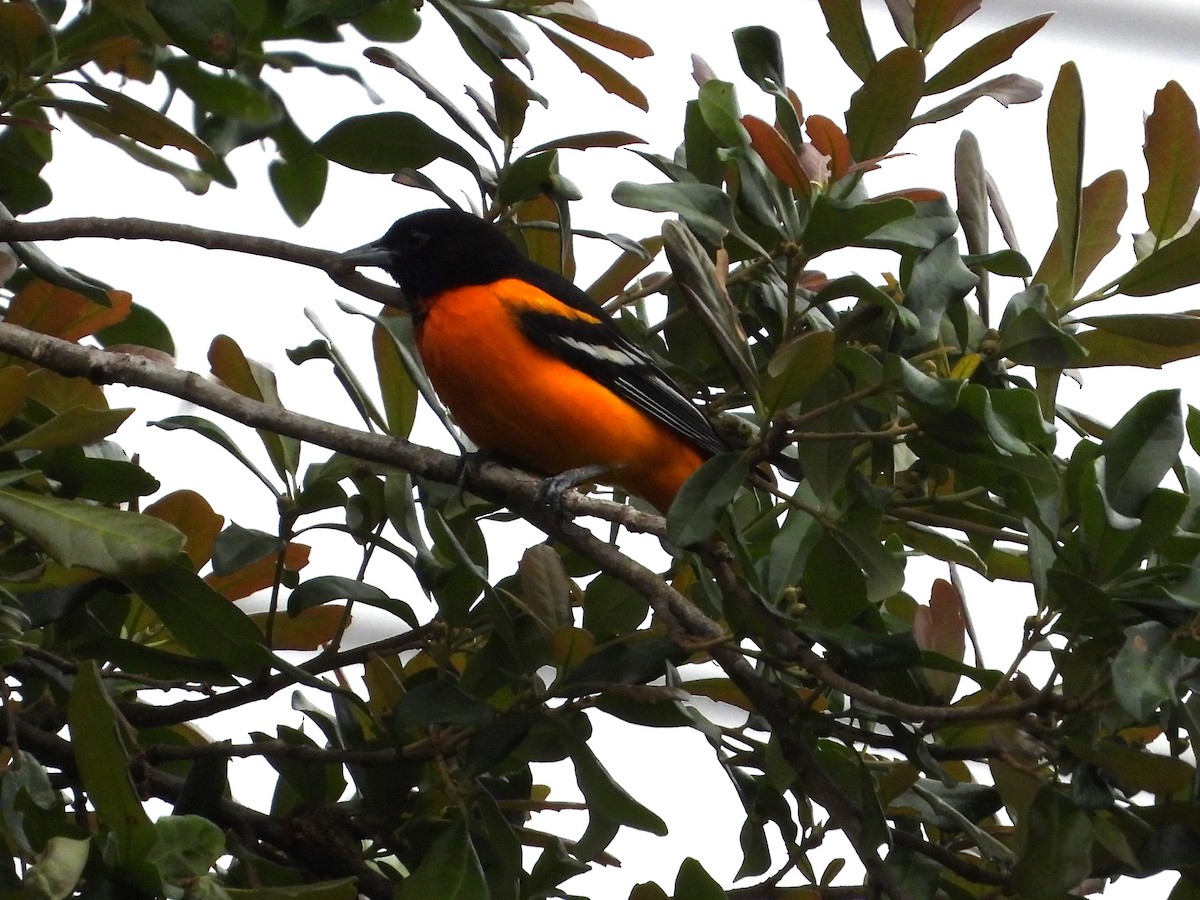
(905, 419)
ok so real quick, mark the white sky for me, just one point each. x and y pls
(1126, 51)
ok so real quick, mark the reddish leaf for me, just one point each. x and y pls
(599, 71)
(986, 54)
(626, 44)
(312, 629)
(1005, 90)
(191, 514)
(21, 27)
(1172, 153)
(12, 392)
(48, 309)
(259, 575)
(941, 627)
(777, 154)
(831, 141)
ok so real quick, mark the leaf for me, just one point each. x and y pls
(587, 140)
(1064, 136)
(327, 588)
(598, 70)
(628, 45)
(77, 426)
(254, 380)
(218, 436)
(695, 883)
(1137, 339)
(796, 367)
(312, 629)
(299, 184)
(1006, 90)
(191, 514)
(205, 29)
(397, 389)
(941, 627)
(385, 143)
(1170, 267)
(609, 805)
(110, 541)
(145, 125)
(200, 619)
(187, 847)
(62, 861)
(848, 34)
(103, 761)
(881, 110)
(834, 224)
(450, 870)
(64, 313)
(21, 28)
(985, 54)
(933, 18)
(1102, 207)
(761, 56)
(830, 141)
(707, 209)
(1057, 852)
(1141, 448)
(1172, 152)
(701, 502)
(259, 574)
(1147, 669)
(777, 154)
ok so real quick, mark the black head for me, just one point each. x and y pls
(437, 249)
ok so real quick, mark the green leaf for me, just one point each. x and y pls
(205, 29)
(252, 379)
(1170, 267)
(1064, 135)
(110, 541)
(761, 56)
(1004, 89)
(1141, 449)
(1137, 339)
(880, 111)
(201, 620)
(327, 588)
(145, 125)
(141, 328)
(609, 805)
(933, 18)
(697, 510)
(385, 143)
(103, 760)
(299, 183)
(834, 224)
(707, 209)
(796, 367)
(450, 870)
(217, 435)
(848, 34)
(1102, 207)
(694, 883)
(1057, 852)
(187, 847)
(985, 54)
(58, 867)
(1147, 669)
(1172, 153)
(73, 427)
(439, 702)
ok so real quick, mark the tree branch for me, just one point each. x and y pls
(207, 239)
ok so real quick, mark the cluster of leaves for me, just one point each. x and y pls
(903, 421)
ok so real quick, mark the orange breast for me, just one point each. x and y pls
(514, 399)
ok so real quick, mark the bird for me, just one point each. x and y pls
(533, 370)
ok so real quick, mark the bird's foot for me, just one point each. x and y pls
(550, 492)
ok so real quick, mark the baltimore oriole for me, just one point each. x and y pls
(531, 368)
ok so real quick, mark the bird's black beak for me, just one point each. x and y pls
(366, 255)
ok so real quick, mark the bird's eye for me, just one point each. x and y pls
(415, 240)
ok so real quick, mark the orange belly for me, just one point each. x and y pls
(515, 400)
